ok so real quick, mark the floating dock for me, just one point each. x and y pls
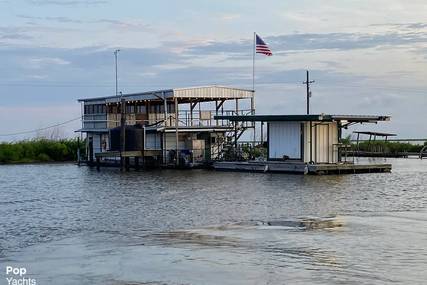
(300, 168)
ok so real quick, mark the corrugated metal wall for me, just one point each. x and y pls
(324, 136)
(284, 138)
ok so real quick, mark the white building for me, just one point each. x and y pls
(305, 138)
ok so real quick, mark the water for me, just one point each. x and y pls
(72, 225)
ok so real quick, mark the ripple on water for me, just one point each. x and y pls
(195, 227)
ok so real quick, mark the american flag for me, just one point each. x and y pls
(261, 47)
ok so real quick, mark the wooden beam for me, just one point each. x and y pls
(122, 134)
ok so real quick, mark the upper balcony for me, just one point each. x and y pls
(194, 107)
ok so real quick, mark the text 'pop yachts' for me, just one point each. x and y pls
(16, 276)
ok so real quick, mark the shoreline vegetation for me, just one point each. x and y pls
(65, 150)
(387, 147)
(40, 151)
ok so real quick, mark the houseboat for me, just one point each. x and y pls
(171, 127)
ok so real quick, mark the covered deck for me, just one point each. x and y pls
(306, 144)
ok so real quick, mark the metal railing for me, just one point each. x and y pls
(186, 118)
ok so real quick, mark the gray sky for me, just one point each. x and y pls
(367, 57)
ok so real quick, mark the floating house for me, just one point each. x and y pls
(304, 144)
(188, 127)
(164, 127)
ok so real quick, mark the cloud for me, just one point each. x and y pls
(230, 17)
(46, 61)
(128, 24)
(404, 26)
(13, 33)
(284, 44)
(67, 2)
(47, 75)
(55, 19)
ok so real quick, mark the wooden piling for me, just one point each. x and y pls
(136, 163)
(98, 163)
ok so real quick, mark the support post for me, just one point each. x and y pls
(357, 143)
(90, 150)
(136, 163)
(176, 131)
(127, 164)
(235, 127)
(216, 111)
(122, 134)
(253, 113)
(78, 151)
(98, 163)
(311, 142)
(166, 108)
(262, 133)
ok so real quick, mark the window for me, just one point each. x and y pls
(130, 109)
(171, 108)
(141, 109)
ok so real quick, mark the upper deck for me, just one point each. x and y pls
(161, 107)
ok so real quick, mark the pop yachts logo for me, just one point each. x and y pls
(16, 276)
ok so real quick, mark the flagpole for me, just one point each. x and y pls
(253, 85)
(253, 63)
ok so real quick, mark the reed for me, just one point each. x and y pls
(40, 150)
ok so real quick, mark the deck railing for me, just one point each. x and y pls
(186, 118)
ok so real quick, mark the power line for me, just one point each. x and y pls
(41, 129)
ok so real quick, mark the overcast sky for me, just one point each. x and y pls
(366, 56)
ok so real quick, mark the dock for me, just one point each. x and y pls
(300, 168)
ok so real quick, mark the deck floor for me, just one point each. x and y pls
(301, 168)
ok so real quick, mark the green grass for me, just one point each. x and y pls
(40, 150)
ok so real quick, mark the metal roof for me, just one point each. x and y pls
(375, 134)
(207, 92)
(300, 118)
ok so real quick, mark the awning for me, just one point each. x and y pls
(305, 118)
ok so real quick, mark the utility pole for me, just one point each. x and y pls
(307, 83)
(115, 57)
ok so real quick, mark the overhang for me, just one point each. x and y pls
(203, 92)
(305, 118)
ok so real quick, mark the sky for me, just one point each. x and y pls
(366, 56)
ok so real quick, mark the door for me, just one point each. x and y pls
(322, 143)
(284, 139)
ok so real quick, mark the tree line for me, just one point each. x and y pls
(41, 150)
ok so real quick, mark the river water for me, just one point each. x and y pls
(73, 225)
